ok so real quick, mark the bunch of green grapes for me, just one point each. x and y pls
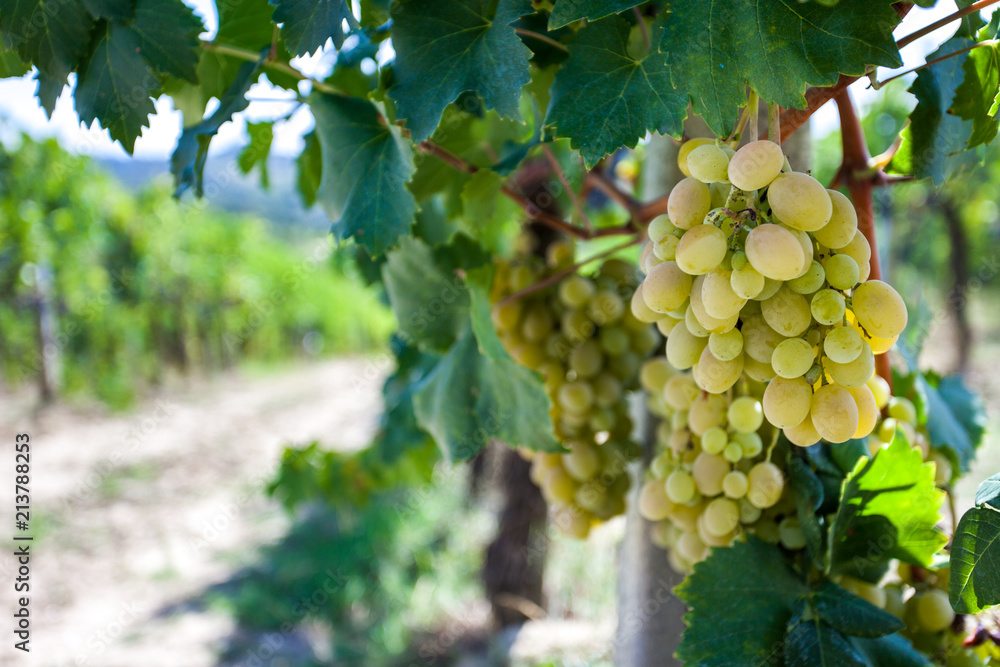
(580, 335)
(758, 271)
(712, 480)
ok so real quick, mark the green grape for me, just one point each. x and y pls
(902, 409)
(601, 419)
(871, 593)
(718, 296)
(654, 374)
(726, 346)
(790, 533)
(756, 164)
(691, 548)
(843, 223)
(722, 515)
(706, 411)
(624, 366)
(759, 339)
(735, 485)
(560, 254)
(654, 505)
(747, 282)
(750, 442)
(879, 309)
(857, 249)
(714, 375)
(575, 291)
(800, 201)
(680, 391)
(576, 326)
(834, 413)
(661, 226)
(693, 325)
(666, 287)
(685, 150)
(933, 611)
(506, 316)
(558, 486)
(709, 164)
(613, 340)
(880, 390)
(521, 277)
(810, 281)
(843, 345)
(749, 513)
(666, 325)
(766, 483)
(868, 413)
(605, 307)
(733, 452)
(648, 258)
(738, 261)
(689, 203)
(683, 348)
(708, 322)
(640, 310)
(841, 271)
(854, 373)
(665, 247)
(575, 397)
(792, 358)
(701, 249)
(680, 487)
(775, 252)
(745, 414)
(582, 462)
(827, 306)
(586, 360)
(787, 312)
(708, 471)
(537, 324)
(714, 440)
(771, 288)
(787, 402)
(720, 194)
(607, 390)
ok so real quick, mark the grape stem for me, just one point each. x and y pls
(879, 84)
(744, 117)
(774, 122)
(852, 172)
(926, 30)
(545, 38)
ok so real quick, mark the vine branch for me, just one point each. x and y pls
(926, 30)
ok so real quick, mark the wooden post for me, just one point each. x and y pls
(49, 352)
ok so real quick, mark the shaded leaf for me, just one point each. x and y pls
(850, 614)
(603, 98)
(567, 11)
(48, 91)
(956, 418)
(813, 643)
(366, 164)
(975, 98)
(808, 492)
(975, 561)
(307, 24)
(989, 492)
(309, 169)
(168, 36)
(892, 651)
(257, 151)
(443, 49)
(52, 35)
(120, 10)
(11, 64)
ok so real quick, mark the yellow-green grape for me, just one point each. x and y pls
(787, 401)
(747, 282)
(964, 657)
(759, 339)
(506, 316)
(718, 296)
(749, 513)
(691, 548)
(810, 281)
(792, 358)
(871, 593)
(701, 249)
(735, 485)
(666, 287)
(706, 411)
(708, 471)
(665, 247)
(659, 227)
(722, 515)
(902, 409)
(733, 452)
(693, 325)
(827, 306)
(575, 397)
(666, 325)
(575, 291)
(868, 413)
(771, 288)
(932, 610)
(686, 516)
(521, 277)
(841, 271)
(803, 434)
(751, 444)
(726, 346)
(880, 390)
(586, 361)
(708, 322)
(942, 469)
(648, 258)
(572, 521)
(834, 413)
(558, 485)
(714, 375)
(654, 505)
(843, 223)
(843, 345)
(680, 391)
(879, 309)
(790, 534)
(654, 374)
(640, 310)
(714, 440)
(787, 312)
(684, 348)
(689, 203)
(854, 373)
(537, 324)
(766, 483)
(680, 487)
(613, 340)
(745, 414)
(857, 249)
(800, 201)
(756, 164)
(757, 370)
(709, 164)
(685, 150)
(560, 254)
(775, 252)
(576, 326)
(605, 307)
(582, 462)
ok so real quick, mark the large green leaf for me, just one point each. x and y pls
(888, 509)
(445, 48)
(976, 97)
(989, 493)
(934, 134)
(891, 651)
(975, 553)
(366, 164)
(808, 491)
(115, 85)
(603, 98)
(53, 35)
(956, 418)
(307, 24)
(850, 614)
(813, 643)
(748, 590)
(716, 47)
(11, 64)
(168, 36)
(567, 11)
(120, 10)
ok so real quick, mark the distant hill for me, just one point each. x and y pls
(279, 204)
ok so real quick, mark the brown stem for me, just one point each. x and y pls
(990, 42)
(926, 30)
(649, 210)
(855, 162)
(542, 38)
(601, 181)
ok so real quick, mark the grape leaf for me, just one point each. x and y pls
(850, 614)
(975, 561)
(115, 85)
(989, 492)
(892, 651)
(888, 509)
(168, 37)
(934, 134)
(48, 91)
(309, 23)
(489, 216)
(716, 47)
(309, 169)
(746, 589)
(52, 35)
(445, 48)
(120, 10)
(567, 11)
(603, 98)
(808, 491)
(813, 643)
(257, 151)
(976, 97)
(431, 305)
(11, 64)
(366, 164)
(956, 418)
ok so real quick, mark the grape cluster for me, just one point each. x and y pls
(580, 335)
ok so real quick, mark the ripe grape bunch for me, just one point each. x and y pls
(580, 335)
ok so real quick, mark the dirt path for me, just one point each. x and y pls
(135, 513)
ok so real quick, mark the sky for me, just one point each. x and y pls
(19, 110)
